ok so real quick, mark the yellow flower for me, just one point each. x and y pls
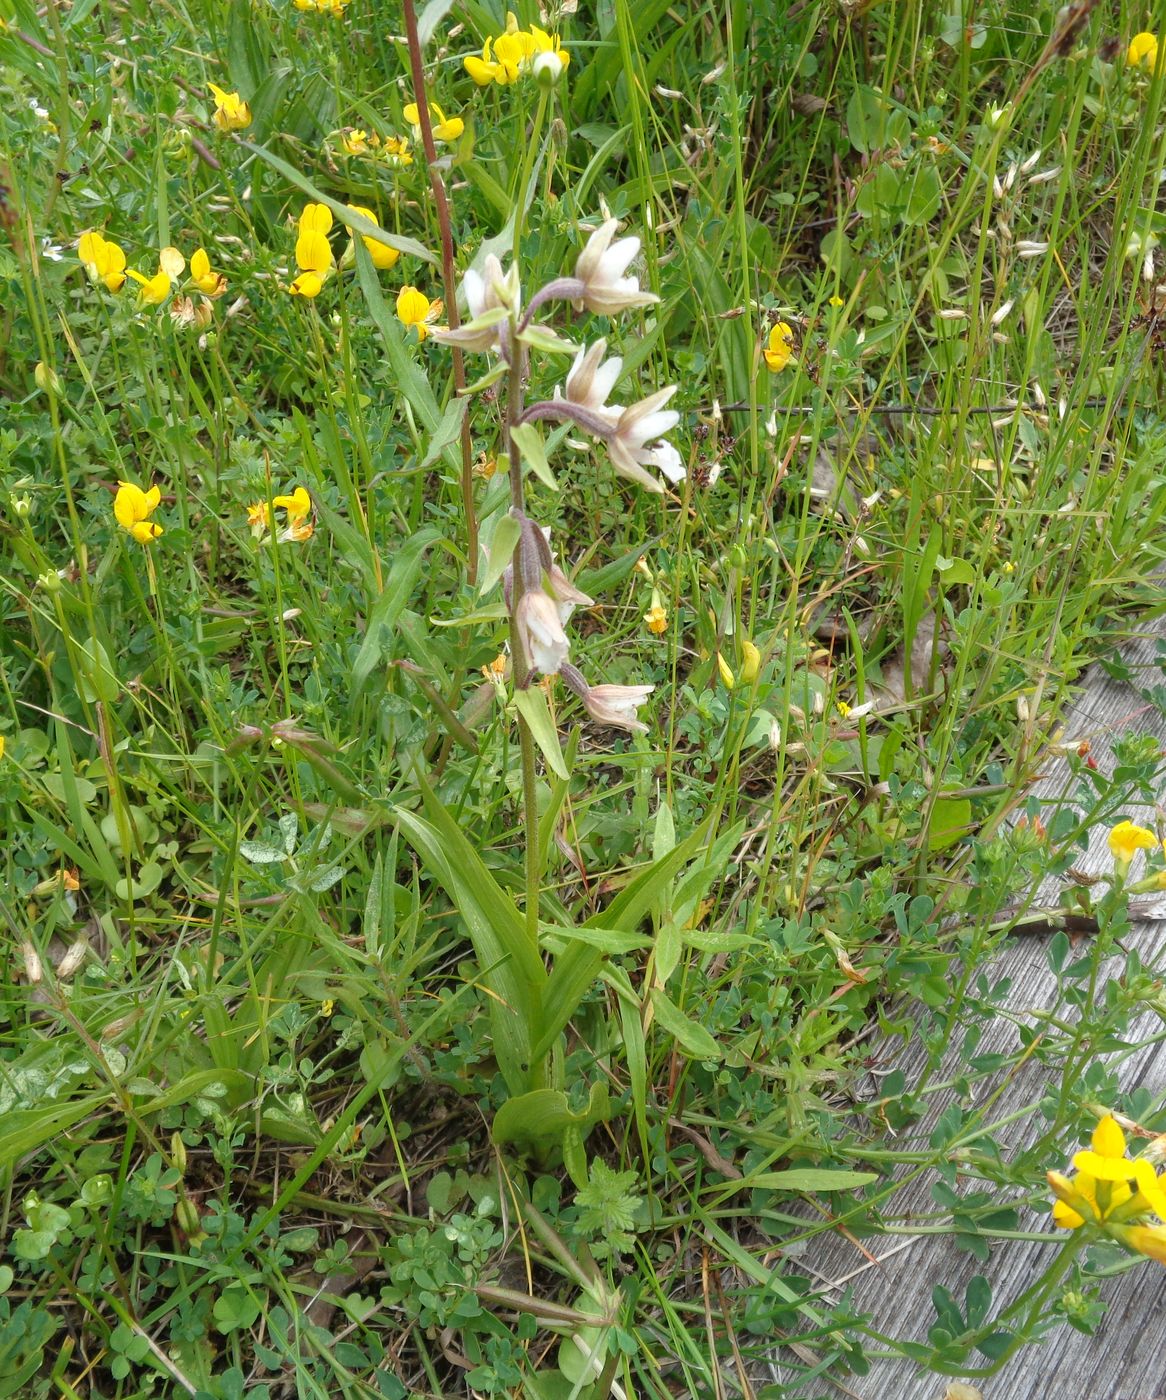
(172, 263)
(1126, 839)
(231, 112)
(354, 141)
(313, 251)
(1110, 1189)
(483, 70)
(444, 128)
(780, 351)
(1107, 1160)
(209, 283)
(548, 43)
(751, 662)
(395, 150)
(843, 709)
(1143, 51)
(298, 505)
(132, 508)
(382, 255)
(657, 615)
(1, 745)
(154, 290)
(836, 300)
(259, 518)
(415, 309)
(297, 532)
(104, 261)
(727, 678)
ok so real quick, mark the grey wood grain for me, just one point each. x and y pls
(1126, 1359)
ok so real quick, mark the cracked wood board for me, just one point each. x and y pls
(1126, 1358)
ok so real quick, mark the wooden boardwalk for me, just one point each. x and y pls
(1126, 1358)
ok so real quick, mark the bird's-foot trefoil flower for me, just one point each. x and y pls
(415, 310)
(750, 662)
(209, 282)
(297, 508)
(1112, 1193)
(1125, 841)
(1143, 51)
(231, 112)
(383, 256)
(153, 291)
(132, 508)
(395, 152)
(313, 251)
(656, 618)
(104, 261)
(780, 349)
(445, 129)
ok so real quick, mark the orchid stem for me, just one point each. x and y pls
(448, 280)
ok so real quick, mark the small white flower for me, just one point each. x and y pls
(541, 632)
(635, 440)
(485, 291)
(590, 381)
(601, 267)
(617, 704)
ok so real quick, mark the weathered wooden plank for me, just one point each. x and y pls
(1126, 1359)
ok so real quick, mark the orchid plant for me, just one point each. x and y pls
(534, 994)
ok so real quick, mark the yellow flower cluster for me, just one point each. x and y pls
(105, 262)
(297, 508)
(393, 149)
(132, 508)
(513, 53)
(313, 251)
(335, 8)
(445, 129)
(1113, 1193)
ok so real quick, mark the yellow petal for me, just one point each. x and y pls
(89, 247)
(307, 284)
(1108, 1139)
(200, 264)
(145, 531)
(1126, 839)
(751, 663)
(152, 499)
(1103, 1168)
(727, 679)
(316, 218)
(172, 263)
(412, 306)
(483, 73)
(412, 114)
(1149, 1240)
(1066, 1216)
(129, 505)
(313, 252)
